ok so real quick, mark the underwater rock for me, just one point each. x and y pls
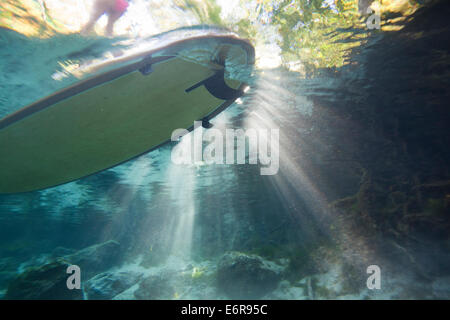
(286, 291)
(247, 276)
(7, 264)
(155, 287)
(46, 282)
(107, 285)
(6, 277)
(95, 259)
(61, 251)
(44, 279)
(34, 261)
(8, 271)
(441, 288)
(340, 279)
(128, 294)
(176, 278)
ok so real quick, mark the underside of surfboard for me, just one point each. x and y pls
(119, 114)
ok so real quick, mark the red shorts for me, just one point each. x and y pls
(120, 6)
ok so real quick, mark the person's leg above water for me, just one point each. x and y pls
(112, 18)
(120, 6)
(98, 9)
(113, 8)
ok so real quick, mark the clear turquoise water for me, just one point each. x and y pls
(337, 205)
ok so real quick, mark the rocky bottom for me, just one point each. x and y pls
(234, 275)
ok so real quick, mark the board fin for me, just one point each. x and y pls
(217, 86)
(206, 124)
(147, 68)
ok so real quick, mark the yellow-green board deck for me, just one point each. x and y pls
(47, 144)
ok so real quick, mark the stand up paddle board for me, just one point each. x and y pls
(119, 114)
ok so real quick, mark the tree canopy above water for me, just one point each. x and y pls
(307, 34)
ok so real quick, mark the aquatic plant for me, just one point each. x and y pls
(197, 272)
